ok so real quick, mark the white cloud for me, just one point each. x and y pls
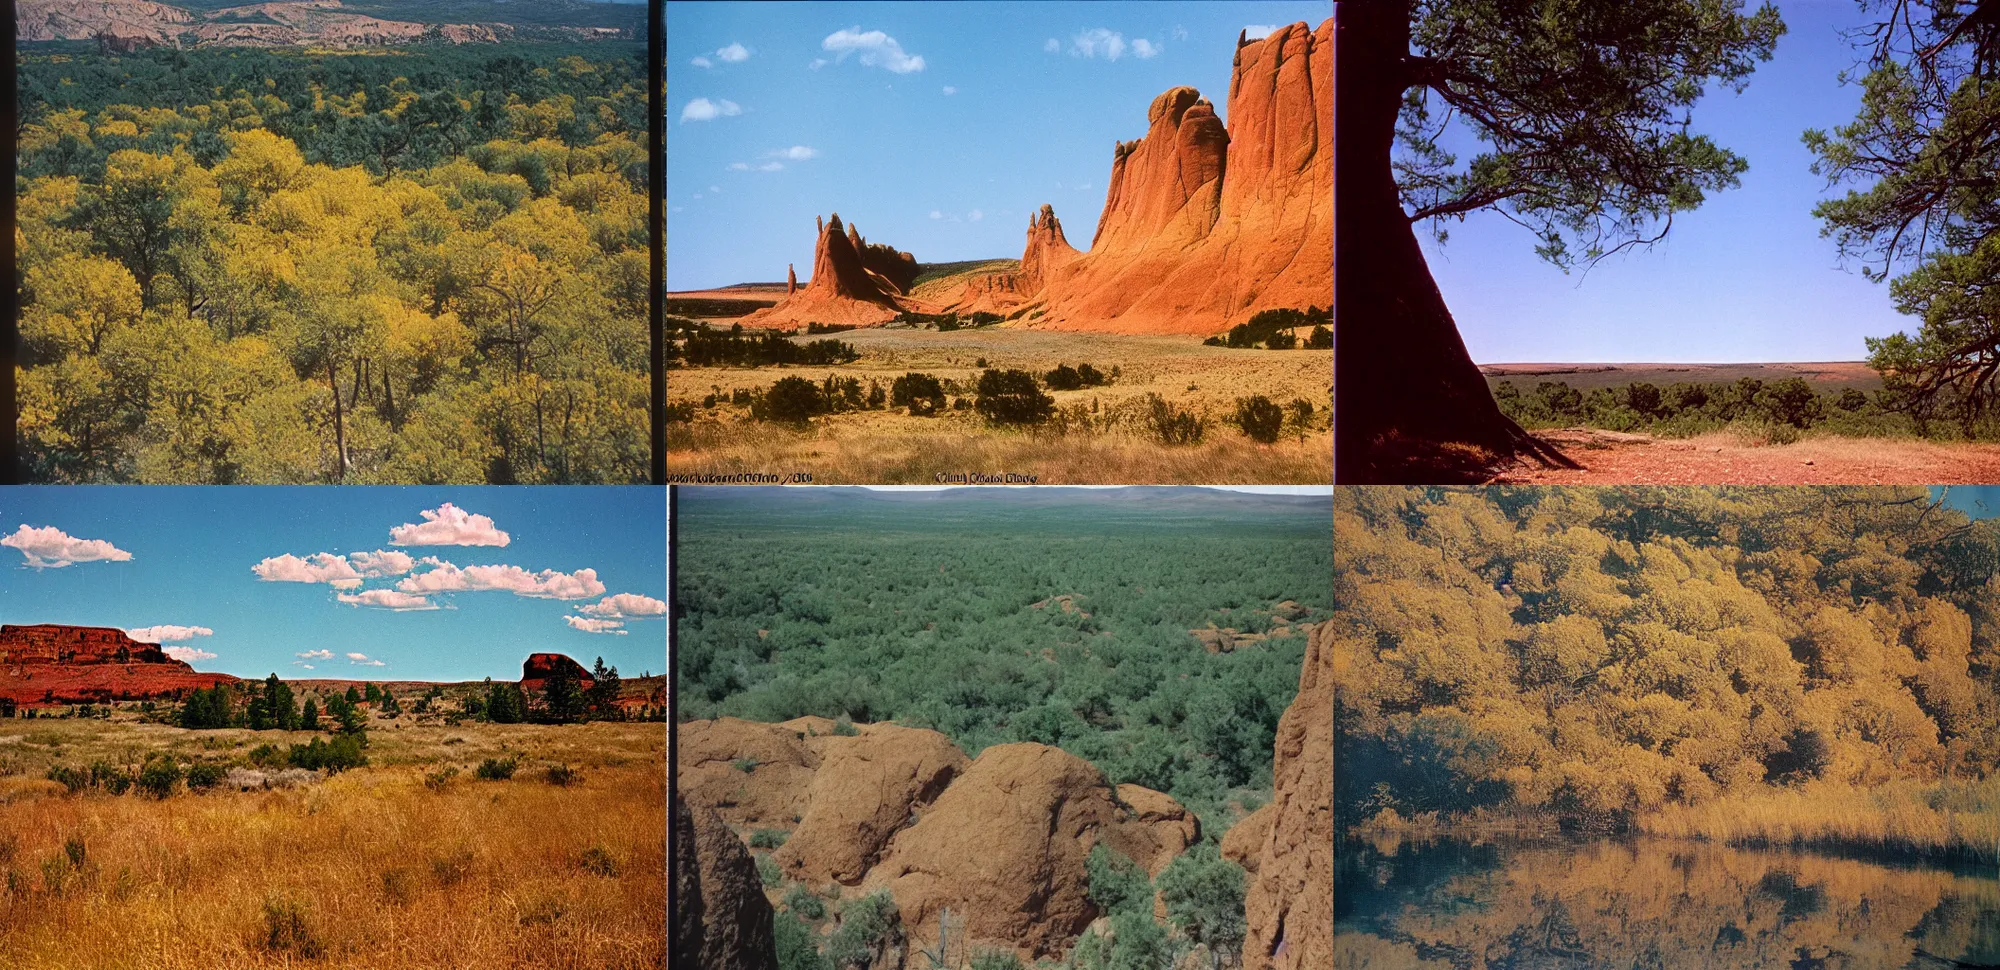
(168, 634)
(702, 62)
(320, 567)
(382, 563)
(948, 89)
(361, 659)
(1258, 31)
(797, 153)
(1097, 41)
(50, 547)
(625, 605)
(975, 215)
(876, 49)
(448, 525)
(739, 166)
(1143, 48)
(547, 584)
(818, 62)
(387, 599)
(936, 214)
(307, 666)
(771, 167)
(187, 655)
(1052, 45)
(594, 626)
(315, 655)
(357, 656)
(702, 109)
(734, 53)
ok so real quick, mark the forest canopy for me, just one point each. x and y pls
(1596, 653)
(1054, 626)
(426, 265)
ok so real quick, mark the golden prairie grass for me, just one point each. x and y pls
(369, 868)
(1953, 819)
(894, 447)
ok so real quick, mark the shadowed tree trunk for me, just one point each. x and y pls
(1410, 406)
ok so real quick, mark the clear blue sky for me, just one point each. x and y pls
(1746, 277)
(1022, 126)
(193, 551)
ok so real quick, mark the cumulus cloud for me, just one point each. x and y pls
(734, 53)
(387, 599)
(361, 659)
(1143, 48)
(797, 153)
(948, 89)
(594, 626)
(625, 605)
(1258, 31)
(702, 109)
(168, 634)
(448, 525)
(385, 562)
(1098, 42)
(320, 567)
(1052, 45)
(739, 166)
(186, 655)
(49, 547)
(446, 577)
(315, 655)
(702, 62)
(307, 666)
(874, 48)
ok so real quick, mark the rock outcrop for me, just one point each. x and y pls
(865, 789)
(48, 664)
(1006, 846)
(736, 918)
(751, 773)
(1243, 844)
(539, 667)
(688, 909)
(1288, 904)
(122, 26)
(852, 282)
(1204, 225)
(791, 279)
(1047, 250)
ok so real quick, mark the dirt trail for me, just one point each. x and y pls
(1724, 459)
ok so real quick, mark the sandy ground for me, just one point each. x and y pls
(1724, 459)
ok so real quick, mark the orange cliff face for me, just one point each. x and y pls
(1204, 225)
(844, 288)
(48, 664)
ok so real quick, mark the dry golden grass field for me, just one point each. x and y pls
(1099, 437)
(398, 864)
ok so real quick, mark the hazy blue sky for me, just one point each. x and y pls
(935, 127)
(144, 558)
(1746, 277)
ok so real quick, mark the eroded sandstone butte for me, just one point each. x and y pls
(1288, 903)
(853, 282)
(1206, 224)
(48, 663)
(539, 667)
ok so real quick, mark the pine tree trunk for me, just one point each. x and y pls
(339, 426)
(1410, 406)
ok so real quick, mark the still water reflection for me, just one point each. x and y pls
(1652, 904)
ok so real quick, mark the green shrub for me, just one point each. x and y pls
(996, 960)
(767, 838)
(205, 775)
(843, 727)
(287, 930)
(71, 778)
(159, 777)
(922, 394)
(805, 903)
(440, 779)
(867, 925)
(794, 400)
(1170, 426)
(1063, 378)
(797, 945)
(266, 756)
(1012, 397)
(598, 862)
(1116, 882)
(495, 769)
(1203, 893)
(768, 871)
(562, 776)
(744, 765)
(1259, 418)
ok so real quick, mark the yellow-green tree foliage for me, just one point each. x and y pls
(204, 302)
(1594, 653)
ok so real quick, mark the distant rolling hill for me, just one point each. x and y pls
(1827, 376)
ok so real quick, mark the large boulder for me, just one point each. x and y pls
(751, 773)
(1005, 847)
(736, 917)
(1288, 905)
(865, 789)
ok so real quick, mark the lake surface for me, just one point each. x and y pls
(1650, 903)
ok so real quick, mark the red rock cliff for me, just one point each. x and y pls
(51, 643)
(843, 288)
(539, 667)
(48, 664)
(1204, 226)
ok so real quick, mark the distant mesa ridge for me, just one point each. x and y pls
(49, 663)
(51, 643)
(124, 26)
